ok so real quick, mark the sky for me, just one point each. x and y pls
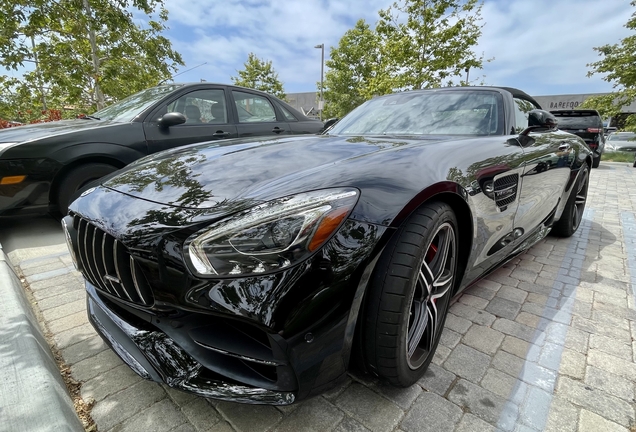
(539, 46)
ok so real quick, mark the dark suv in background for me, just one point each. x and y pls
(588, 125)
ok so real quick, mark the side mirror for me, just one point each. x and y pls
(171, 119)
(329, 123)
(540, 119)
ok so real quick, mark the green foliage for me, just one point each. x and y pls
(416, 44)
(260, 75)
(81, 54)
(617, 65)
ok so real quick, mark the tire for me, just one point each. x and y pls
(77, 178)
(573, 211)
(413, 283)
(596, 161)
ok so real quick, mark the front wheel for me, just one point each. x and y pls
(77, 178)
(575, 206)
(409, 295)
(596, 161)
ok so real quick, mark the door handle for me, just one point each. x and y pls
(564, 147)
(221, 134)
(278, 130)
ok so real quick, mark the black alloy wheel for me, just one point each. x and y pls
(574, 208)
(409, 295)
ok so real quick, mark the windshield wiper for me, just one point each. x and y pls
(90, 117)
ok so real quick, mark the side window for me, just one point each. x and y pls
(201, 106)
(288, 116)
(253, 108)
(522, 108)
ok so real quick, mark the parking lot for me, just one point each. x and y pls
(548, 342)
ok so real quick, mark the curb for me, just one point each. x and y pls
(33, 396)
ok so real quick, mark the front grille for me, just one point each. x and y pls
(505, 189)
(107, 264)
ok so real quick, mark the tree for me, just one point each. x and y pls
(84, 53)
(416, 44)
(352, 65)
(618, 66)
(260, 75)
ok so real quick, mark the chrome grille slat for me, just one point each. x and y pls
(109, 266)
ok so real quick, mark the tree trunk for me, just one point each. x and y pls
(94, 54)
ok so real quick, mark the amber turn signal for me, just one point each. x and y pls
(327, 226)
(12, 180)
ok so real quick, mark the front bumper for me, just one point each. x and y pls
(155, 356)
(32, 194)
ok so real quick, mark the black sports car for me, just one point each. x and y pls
(43, 165)
(257, 272)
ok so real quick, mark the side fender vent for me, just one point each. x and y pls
(505, 190)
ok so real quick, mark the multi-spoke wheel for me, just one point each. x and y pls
(574, 208)
(409, 295)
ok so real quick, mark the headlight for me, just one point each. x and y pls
(270, 236)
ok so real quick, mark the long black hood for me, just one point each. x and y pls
(230, 177)
(50, 129)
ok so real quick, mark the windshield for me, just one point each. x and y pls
(127, 109)
(579, 122)
(426, 113)
(622, 136)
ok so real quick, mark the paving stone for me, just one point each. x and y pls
(84, 349)
(473, 301)
(503, 308)
(508, 363)
(109, 382)
(472, 423)
(249, 418)
(482, 403)
(550, 356)
(74, 335)
(179, 397)
(118, 408)
(468, 363)
(528, 319)
(62, 300)
(577, 340)
(44, 267)
(591, 422)
(515, 329)
(485, 289)
(499, 277)
(449, 338)
(609, 318)
(513, 294)
(68, 322)
(456, 323)
(563, 416)
(504, 385)
(483, 339)
(572, 364)
(337, 391)
(402, 397)
(610, 363)
(433, 413)
(67, 279)
(595, 400)
(96, 365)
(369, 408)
(348, 424)
(611, 346)
(162, 416)
(537, 287)
(441, 354)
(65, 310)
(316, 414)
(437, 380)
(56, 290)
(610, 383)
(477, 316)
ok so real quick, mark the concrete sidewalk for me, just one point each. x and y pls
(33, 396)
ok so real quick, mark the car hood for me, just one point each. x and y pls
(206, 175)
(44, 130)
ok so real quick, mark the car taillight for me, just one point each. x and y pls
(594, 130)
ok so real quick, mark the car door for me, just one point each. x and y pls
(256, 115)
(547, 163)
(207, 119)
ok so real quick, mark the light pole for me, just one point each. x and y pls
(321, 104)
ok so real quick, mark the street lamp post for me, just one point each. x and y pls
(322, 75)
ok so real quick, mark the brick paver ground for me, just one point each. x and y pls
(547, 342)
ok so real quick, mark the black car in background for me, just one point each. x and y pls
(43, 165)
(588, 125)
(258, 272)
